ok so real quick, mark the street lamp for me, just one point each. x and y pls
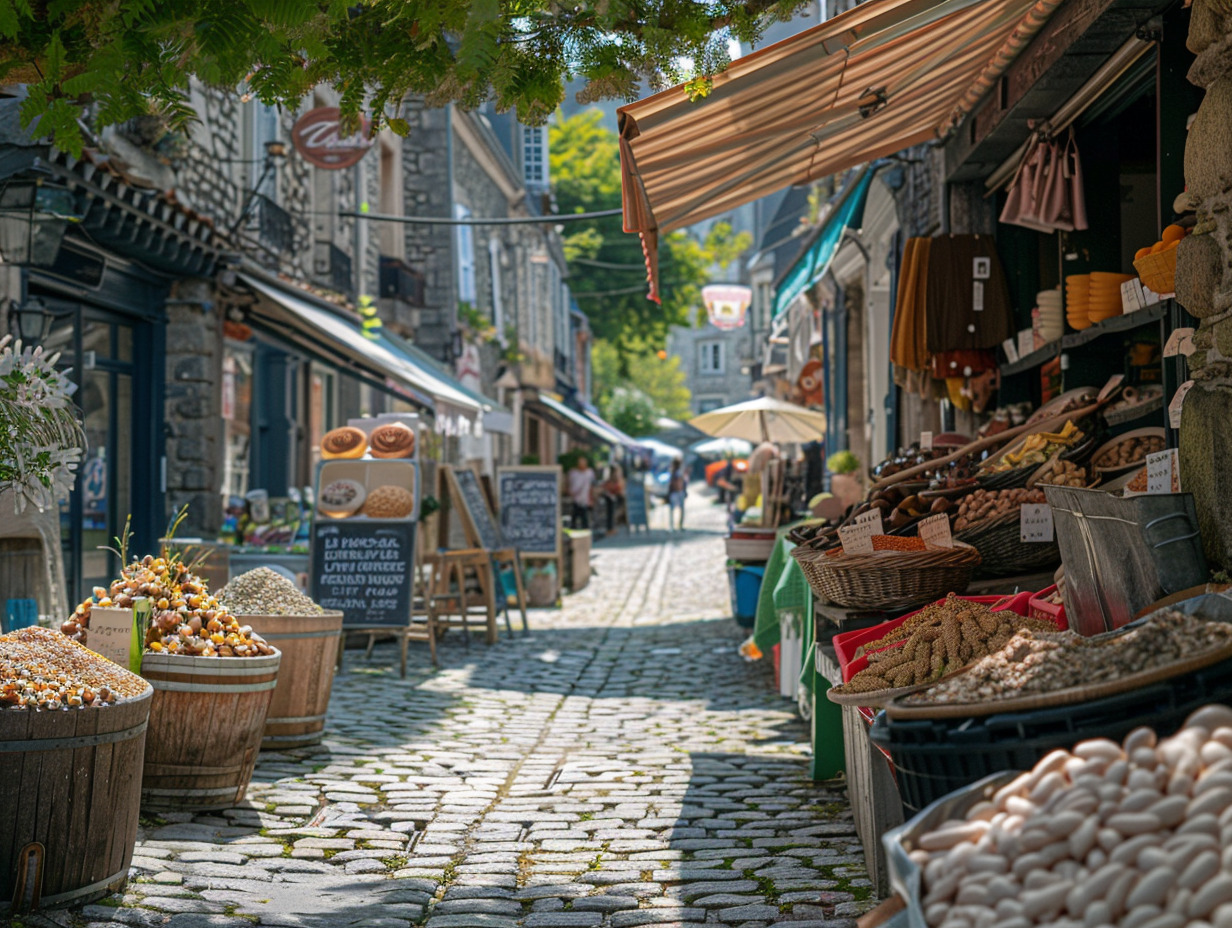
(31, 320)
(34, 216)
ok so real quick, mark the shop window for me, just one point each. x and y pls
(535, 157)
(709, 403)
(322, 409)
(391, 233)
(710, 357)
(237, 417)
(263, 127)
(464, 241)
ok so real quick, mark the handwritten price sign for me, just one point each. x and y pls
(1035, 523)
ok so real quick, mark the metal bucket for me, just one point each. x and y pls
(1121, 555)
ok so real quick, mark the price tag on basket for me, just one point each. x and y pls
(857, 538)
(1179, 342)
(1163, 472)
(935, 531)
(1178, 400)
(111, 634)
(1113, 382)
(926, 441)
(872, 516)
(1035, 523)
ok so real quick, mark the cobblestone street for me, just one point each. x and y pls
(620, 766)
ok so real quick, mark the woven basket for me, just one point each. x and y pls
(888, 580)
(1003, 551)
(1158, 271)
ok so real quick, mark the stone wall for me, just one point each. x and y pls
(1204, 282)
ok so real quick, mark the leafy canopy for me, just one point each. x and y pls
(660, 380)
(607, 273)
(132, 58)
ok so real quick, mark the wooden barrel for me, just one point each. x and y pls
(205, 728)
(309, 646)
(69, 791)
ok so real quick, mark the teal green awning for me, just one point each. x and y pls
(811, 266)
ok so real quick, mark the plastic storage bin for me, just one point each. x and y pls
(745, 588)
(933, 757)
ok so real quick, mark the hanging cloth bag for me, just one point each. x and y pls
(1022, 205)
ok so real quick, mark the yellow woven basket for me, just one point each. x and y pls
(1158, 271)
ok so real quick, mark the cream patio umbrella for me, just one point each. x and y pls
(763, 419)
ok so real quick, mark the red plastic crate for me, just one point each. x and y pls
(1048, 612)
(847, 643)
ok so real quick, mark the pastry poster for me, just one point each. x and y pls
(364, 570)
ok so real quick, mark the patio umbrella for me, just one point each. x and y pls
(763, 419)
(722, 447)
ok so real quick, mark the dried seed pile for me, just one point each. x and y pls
(186, 618)
(1064, 474)
(942, 638)
(1031, 662)
(41, 669)
(989, 504)
(266, 592)
(1131, 834)
(889, 543)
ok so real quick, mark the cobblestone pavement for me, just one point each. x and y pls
(620, 766)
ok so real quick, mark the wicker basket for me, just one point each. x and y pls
(1003, 551)
(1158, 271)
(888, 580)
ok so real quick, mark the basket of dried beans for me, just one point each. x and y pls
(898, 574)
(990, 521)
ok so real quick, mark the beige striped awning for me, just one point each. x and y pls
(884, 76)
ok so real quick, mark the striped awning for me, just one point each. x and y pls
(884, 76)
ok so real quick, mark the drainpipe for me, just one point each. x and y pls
(451, 311)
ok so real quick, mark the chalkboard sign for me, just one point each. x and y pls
(530, 508)
(635, 502)
(365, 570)
(473, 508)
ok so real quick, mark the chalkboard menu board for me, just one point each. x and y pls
(635, 502)
(530, 508)
(467, 490)
(365, 570)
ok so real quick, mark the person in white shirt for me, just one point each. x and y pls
(581, 492)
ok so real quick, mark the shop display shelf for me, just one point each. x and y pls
(933, 757)
(1123, 323)
(1032, 360)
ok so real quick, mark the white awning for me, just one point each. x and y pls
(331, 332)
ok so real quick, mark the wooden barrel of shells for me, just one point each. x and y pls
(69, 801)
(205, 728)
(309, 646)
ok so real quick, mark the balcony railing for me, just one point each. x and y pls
(333, 267)
(272, 224)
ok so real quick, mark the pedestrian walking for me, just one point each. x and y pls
(581, 491)
(613, 493)
(677, 490)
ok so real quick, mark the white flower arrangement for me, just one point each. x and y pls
(41, 438)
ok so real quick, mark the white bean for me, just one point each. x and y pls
(1096, 858)
(1021, 805)
(1204, 866)
(1001, 887)
(1119, 891)
(1064, 823)
(1037, 879)
(1026, 864)
(1170, 810)
(1117, 771)
(1181, 856)
(951, 834)
(1223, 734)
(1216, 892)
(1109, 839)
(1046, 902)
(971, 894)
(1009, 907)
(1151, 857)
(1180, 784)
(1166, 920)
(1127, 851)
(1097, 914)
(1079, 800)
(1135, 823)
(1213, 779)
(1143, 736)
(1141, 778)
(1083, 839)
(1014, 787)
(1212, 801)
(1211, 717)
(1153, 888)
(1195, 824)
(1222, 916)
(1139, 800)
(987, 863)
(1110, 792)
(1048, 784)
(1144, 757)
(1214, 751)
(1140, 916)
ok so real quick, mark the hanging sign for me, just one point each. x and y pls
(317, 136)
(726, 304)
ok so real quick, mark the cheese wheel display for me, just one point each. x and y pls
(393, 440)
(346, 442)
(341, 498)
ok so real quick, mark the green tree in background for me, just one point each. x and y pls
(660, 380)
(631, 411)
(119, 59)
(606, 266)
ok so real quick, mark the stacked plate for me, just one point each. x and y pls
(1051, 324)
(1077, 300)
(1105, 295)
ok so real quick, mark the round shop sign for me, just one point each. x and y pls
(317, 135)
(726, 304)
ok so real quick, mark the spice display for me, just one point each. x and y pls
(346, 442)
(990, 504)
(341, 498)
(266, 592)
(1124, 834)
(389, 502)
(1140, 483)
(1063, 474)
(1036, 449)
(942, 638)
(40, 669)
(889, 543)
(1129, 451)
(186, 619)
(393, 440)
(1031, 662)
